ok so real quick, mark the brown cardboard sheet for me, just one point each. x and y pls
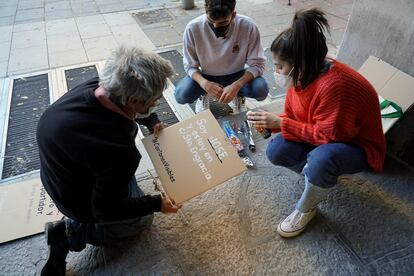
(193, 156)
(391, 84)
(25, 207)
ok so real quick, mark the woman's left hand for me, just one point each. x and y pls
(158, 127)
(264, 119)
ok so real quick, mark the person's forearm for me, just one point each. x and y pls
(198, 78)
(247, 76)
(126, 209)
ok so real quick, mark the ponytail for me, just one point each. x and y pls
(303, 45)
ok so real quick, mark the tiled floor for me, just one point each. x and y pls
(37, 41)
(71, 32)
(232, 227)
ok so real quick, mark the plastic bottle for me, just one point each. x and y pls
(266, 133)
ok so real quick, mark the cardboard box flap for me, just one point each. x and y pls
(377, 72)
(390, 84)
(399, 89)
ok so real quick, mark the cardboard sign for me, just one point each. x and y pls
(391, 84)
(25, 207)
(193, 156)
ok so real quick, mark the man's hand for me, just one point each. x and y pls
(229, 93)
(168, 205)
(264, 119)
(158, 127)
(212, 88)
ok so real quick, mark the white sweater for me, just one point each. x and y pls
(204, 52)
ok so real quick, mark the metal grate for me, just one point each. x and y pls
(153, 16)
(177, 62)
(77, 76)
(30, 98)
(165, 114)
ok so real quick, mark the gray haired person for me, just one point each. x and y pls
(88, 155)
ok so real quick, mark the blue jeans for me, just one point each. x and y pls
(324, 163)
(79, 233)
(187, 90)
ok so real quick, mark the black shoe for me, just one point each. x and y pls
(58, 248)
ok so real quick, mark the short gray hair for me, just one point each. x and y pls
(134, 72)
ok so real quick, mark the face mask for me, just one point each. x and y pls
(282, 80)
(150, 111)
(220, 31)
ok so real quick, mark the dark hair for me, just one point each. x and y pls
(303, 45)
(218, 9)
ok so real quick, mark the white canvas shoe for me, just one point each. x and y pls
(203, 103)
(295, 223)
(238, 104)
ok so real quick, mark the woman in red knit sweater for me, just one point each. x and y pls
(331, 123)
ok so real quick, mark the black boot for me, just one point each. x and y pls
(58, 248)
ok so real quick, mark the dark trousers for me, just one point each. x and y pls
(79, 233)
(187, 90)
(322, 165)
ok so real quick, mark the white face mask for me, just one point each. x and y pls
(284, 81)
(150, 111)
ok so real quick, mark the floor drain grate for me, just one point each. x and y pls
(30, 98)
(165, 114)
(77, 76)
(153, 16)
(177, 62)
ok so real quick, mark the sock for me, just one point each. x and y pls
(311, 196)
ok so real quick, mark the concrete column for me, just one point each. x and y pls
(188, 4)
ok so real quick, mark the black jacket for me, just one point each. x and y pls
(88, 157)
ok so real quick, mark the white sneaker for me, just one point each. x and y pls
(295, 223)
(203, 103)
(238, 104)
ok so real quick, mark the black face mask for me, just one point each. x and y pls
(219, 31)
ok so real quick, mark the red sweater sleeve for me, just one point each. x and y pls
(332, 116)
(286, 114)
(287, 110)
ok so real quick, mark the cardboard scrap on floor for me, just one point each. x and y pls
(25, 207)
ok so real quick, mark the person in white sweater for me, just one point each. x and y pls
(223, 58)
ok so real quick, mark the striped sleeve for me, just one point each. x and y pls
(333, 118)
